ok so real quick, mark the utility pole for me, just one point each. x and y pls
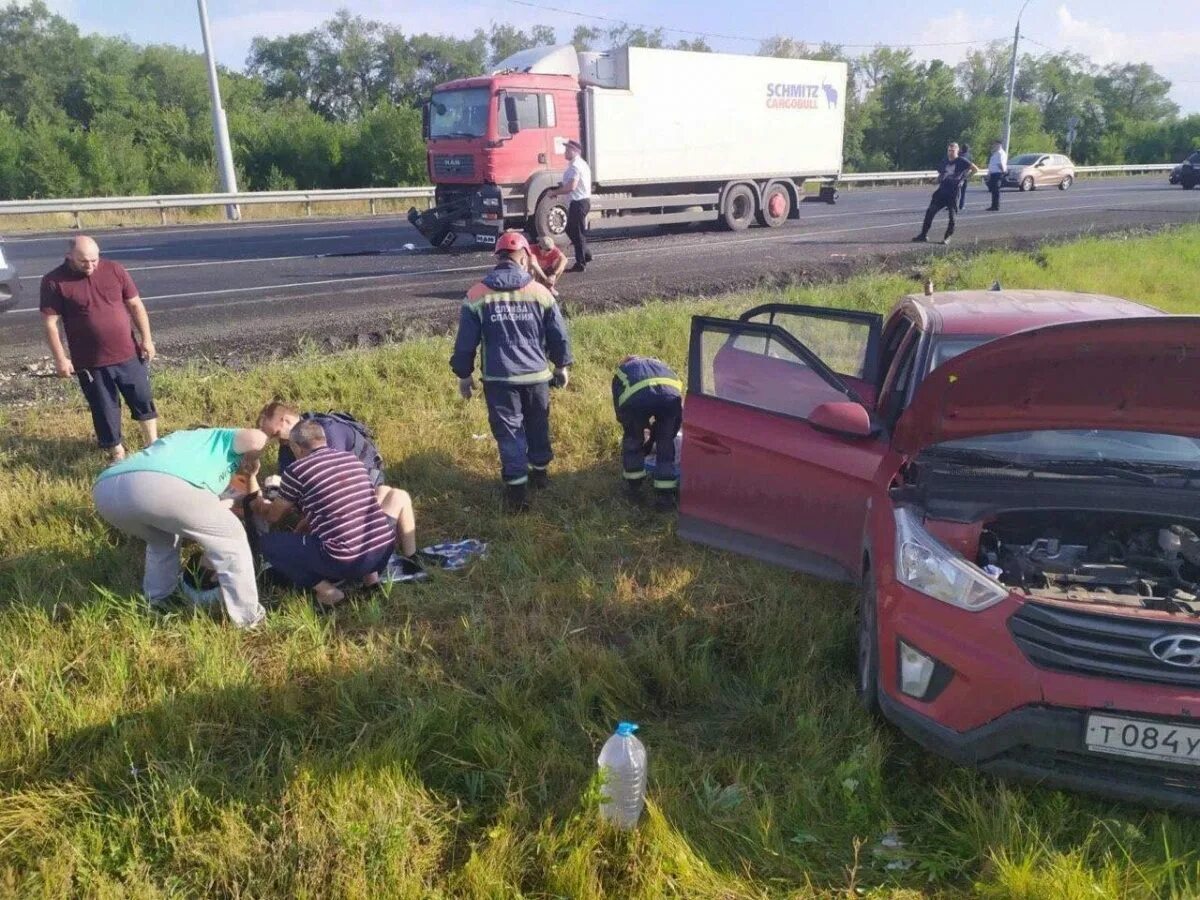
(1012, 80)
(220, 126)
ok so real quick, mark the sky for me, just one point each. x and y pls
(1107, 31)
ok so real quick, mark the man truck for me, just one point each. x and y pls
(671, 136)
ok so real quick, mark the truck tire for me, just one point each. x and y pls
(550, 217)
(776, 205)
(738, 207)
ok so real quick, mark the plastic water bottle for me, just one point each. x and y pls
(623, 764)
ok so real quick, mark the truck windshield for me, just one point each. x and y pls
(459, 113)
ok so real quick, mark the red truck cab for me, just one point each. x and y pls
(494, 146)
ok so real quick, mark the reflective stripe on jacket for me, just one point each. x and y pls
(644, 379)
(517, 325)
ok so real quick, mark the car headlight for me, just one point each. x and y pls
(924, 564)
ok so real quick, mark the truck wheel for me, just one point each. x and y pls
(737, 207)
(550, 218)
(776, 206)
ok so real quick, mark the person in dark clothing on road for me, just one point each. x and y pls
(648, 396)
(965, 153)
(951, 171)
(519, 330)
(577, 184)
(997, 169)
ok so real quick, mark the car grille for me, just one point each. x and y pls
(454, 166)
(1086, 643)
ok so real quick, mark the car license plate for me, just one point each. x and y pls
(485, 239)
(1160, 741)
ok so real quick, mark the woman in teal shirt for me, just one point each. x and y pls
(171, 491)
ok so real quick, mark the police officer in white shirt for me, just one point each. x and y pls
(997, 169)
(577, 184)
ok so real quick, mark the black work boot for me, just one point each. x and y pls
(633, 489)
(665, 500)
(539, 479)
(516, 498)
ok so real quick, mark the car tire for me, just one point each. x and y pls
(776, 206)
(738, 207)
(1188, 185)
(1026, 184)
(866, 682)
(1065, 184)
(550, 217)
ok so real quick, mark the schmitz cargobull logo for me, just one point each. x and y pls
(788, 95)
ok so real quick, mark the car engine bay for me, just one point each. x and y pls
(1124, 560)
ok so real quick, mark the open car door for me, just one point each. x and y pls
(779, 452)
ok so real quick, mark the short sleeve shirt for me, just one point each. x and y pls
(203, 457)
(98, 325)
(333, 490)
(547, 259)
(582, 173)
(951, 174)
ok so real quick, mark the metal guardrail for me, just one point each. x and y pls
(162, 203)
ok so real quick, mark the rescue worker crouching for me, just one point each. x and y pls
(519, 329)
(648, 395)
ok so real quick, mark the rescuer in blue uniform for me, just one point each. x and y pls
(647, 394)
(519, 329)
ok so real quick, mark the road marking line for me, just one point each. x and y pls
(327, 237)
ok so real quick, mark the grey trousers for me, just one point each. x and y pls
(160, 509)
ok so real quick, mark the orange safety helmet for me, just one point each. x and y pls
(511, 241)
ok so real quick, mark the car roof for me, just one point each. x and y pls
(997, 313)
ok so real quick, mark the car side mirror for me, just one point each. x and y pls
(844, 417)
(510, 115)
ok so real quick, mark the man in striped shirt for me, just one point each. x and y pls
(352, 532)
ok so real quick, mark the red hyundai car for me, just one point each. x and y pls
(1012, 479)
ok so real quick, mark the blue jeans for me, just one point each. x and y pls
(302, 560)
(519, 415)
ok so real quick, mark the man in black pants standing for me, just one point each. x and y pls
(951, 172)
(577, 184)
(997, 169)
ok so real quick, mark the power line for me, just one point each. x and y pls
(731, 37)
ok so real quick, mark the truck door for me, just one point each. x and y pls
(759, 477)
(522, 125)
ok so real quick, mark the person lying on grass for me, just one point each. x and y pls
(352, 531)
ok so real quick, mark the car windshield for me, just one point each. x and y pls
(1025, 159)
(459, 113)
(1078, 445)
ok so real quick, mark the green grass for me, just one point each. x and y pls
(441, 742)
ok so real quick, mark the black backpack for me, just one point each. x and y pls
(363, 447)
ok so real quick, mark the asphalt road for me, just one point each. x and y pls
(262, 287)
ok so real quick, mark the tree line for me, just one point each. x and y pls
(339, 106)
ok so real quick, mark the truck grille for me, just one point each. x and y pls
(1085, 643)
(453, 166)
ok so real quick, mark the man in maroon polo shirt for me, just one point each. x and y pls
(99, 307)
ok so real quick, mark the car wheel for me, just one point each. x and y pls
(1027, 184)
(1066, 183)
(737, 207)
(1188, 185)
(776, 206)
(551, 217)
(867, 682)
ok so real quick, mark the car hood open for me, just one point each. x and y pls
(1136, 374)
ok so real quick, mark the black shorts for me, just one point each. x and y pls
(104, 387)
